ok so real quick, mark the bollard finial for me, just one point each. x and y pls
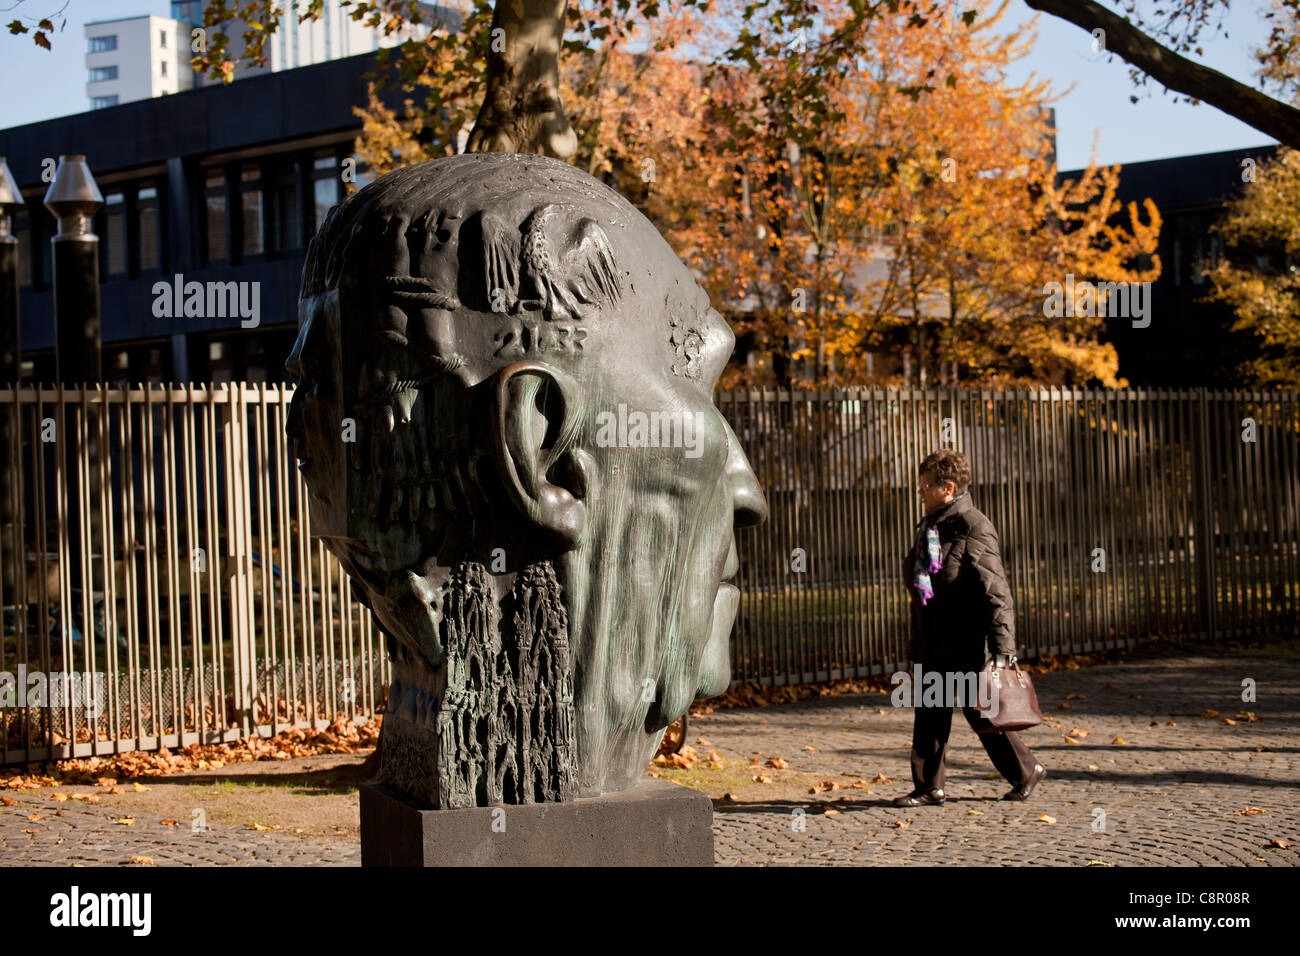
(73, 197)
(11, 198)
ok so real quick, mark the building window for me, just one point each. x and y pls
(150, 238)
(114, 234)
(288, 210)
(22, 231)
(100, 74)
(163, 66)
(103, 44)
(325, 185)
(99, 102)
(250, 190)
(214, 193)
(162, 42)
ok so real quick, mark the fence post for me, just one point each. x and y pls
(1204, 519)
(239, 554)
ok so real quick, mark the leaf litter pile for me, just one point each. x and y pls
(344, 736)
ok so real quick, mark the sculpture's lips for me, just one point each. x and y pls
(732, 564)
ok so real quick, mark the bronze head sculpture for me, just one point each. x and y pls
(505, 424)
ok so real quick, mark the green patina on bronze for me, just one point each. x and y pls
(553, 600)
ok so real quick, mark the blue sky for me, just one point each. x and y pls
(40, 84)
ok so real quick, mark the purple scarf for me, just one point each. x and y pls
(927, 559)
(928, 554)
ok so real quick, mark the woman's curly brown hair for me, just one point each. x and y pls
(947, 465)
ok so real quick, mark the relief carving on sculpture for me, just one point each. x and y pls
(553, 602)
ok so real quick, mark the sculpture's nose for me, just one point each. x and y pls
(748, 500)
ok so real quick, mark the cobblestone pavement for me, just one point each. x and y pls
(70, 834)
(1168, 795)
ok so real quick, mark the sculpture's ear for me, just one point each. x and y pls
(534, 414)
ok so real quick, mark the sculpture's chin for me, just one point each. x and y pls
(715, 663)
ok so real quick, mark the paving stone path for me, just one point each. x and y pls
(1168, 795)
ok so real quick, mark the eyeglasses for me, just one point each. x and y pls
(934, 484)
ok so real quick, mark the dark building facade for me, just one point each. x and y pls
(220, 184)
(1189, 342)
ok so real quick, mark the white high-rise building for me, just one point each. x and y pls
(139, 57)
(136, 58)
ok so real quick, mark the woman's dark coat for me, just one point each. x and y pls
(971, 615)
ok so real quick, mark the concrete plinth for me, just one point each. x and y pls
(654, 824)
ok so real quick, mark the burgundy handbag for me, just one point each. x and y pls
(1017, 703)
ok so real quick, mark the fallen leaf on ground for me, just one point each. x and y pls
(762, 778)
(168, 823)
(1119, 740)
(810, 749)
(257, 826)
(1078, 732)
(126, 821)
(1251, 811)
(881, 778)
(1171, 724)
(141, 861)
(138, 787)
(703, 743)
(8, 801)
(1046, 819)
(33, 817)
(829, 812)
(1282, 844)
(1093, 766)
(777, 763)
(1209, 714)
(1076, 696)
(1098, 862)
(1070, 740)
(976, 813)
(901, 824)
(1247, 715)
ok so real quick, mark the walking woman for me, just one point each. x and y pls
(961, 615)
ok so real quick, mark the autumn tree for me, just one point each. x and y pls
(1259, 277)
(898, 214)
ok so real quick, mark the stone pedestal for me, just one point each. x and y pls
(654, 824)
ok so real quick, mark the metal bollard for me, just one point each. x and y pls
(73, 199)
(11, 200)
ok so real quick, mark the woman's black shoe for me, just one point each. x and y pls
(1023, 791)
(917, 799)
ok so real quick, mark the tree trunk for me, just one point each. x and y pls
(521, 111)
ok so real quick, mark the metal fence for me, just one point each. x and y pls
(161, 542)
(1121, 514)
(156, 536)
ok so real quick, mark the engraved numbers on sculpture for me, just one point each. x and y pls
(523, 338)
